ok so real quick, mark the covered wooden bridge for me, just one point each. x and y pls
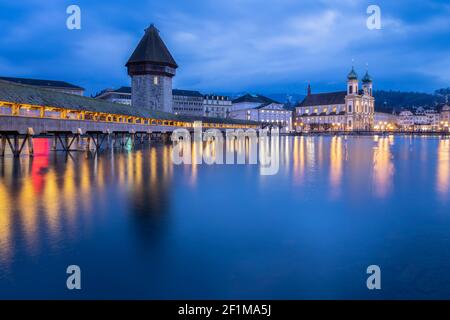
(27, 111)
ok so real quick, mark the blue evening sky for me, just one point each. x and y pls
(233, 45)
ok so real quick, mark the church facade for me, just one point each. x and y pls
(350, 110)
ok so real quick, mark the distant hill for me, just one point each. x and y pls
(443, 92)
(387, 101)
(291, 98)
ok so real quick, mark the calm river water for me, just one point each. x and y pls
(140, 227)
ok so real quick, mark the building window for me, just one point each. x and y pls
(155, 80)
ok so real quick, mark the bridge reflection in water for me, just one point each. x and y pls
(54, 195)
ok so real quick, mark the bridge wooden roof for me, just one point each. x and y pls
(24, 94)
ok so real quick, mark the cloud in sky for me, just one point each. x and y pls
(233, 45)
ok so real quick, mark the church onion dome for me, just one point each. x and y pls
(352, 75)
(367, 78)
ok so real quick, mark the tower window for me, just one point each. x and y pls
(350, 90)
(155, 80)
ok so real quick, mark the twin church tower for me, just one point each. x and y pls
(151, 68)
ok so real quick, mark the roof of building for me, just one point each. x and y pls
(324, 99)
(123, 90)
(25, 94)
(42, 83)
(262, 106)
(186, 93)
(151, 49)
(175, 92)
(257, 98)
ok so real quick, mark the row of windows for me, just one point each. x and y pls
(228, 103)
(216, 98)
(325, 119)
(274, 117)
(187, 109)
(276, 121)
(321, 110)
(275, 111)
(328, 110)
(183, 99)
(217, 109)
(188, 104)
(359, 108)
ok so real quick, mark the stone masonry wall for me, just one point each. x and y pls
(145, 94)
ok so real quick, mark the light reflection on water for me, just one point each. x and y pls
(142, 227)
(443, 169)
(382, 166)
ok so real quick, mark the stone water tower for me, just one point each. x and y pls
(151, 68)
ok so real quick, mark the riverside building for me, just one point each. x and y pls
(420, 120)
(260, 108)
(186, 102)
(216, 106)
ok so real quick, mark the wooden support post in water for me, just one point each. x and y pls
(88, 143)
(132, 137)
(71, 141)
(166, 137)
(67, 142)
(114, 140)
(55, 142)
(30, 134)
(108, 139)
(100, 140)
(78, 139)
(2, 146)
(63, 144)
(16, 150)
